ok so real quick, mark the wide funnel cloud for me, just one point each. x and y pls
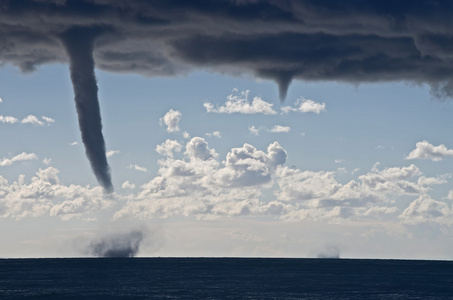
(78, 43)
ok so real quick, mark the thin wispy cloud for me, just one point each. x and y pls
(275, 129)
(303, 105)
(239, 103)
(279, 129)
(254, 130)
(112, 152)
(216, 134)
(48, 120)
(425, 150)
(137, 168)
(72, 144)
(33, 120)
(20, 157)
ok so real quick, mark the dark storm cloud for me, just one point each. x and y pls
(350, 41)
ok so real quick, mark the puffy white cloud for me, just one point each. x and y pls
(1, 100)
(30, 119)
(216, 134)
(8, 119)
(450, 195)
(239, 103)
(47, 161)
(47, 119)
(280, 129)
(112, 152)
(128, 186)
(428, 181)
(393, 180)
(171, 120)
(20, 157)
(425, 209)
(186, 135)
(296, 185)
(72, 144)
(424, 150)
(44, 195)
(137, 168)
(249, 182)
(304, 106)
(200, 186)
(197, 148)
(247, 166)
(168, 148)
(317, 195)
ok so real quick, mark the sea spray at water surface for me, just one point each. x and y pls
(126, 244)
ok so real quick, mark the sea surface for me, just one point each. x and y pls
(224, 278)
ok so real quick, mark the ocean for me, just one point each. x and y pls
(224, 278)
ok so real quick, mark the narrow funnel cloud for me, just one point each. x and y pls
(78, 43)
(283, 85)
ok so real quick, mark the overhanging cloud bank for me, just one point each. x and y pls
(352, 41)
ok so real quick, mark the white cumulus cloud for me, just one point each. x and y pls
(425, 150)
(20, 157)
(47, 161)
(30, 119)
(239, 103)
(171, 120)
(425, 209)
(168, 148)
(45, 195)
(8, 119)
(197, 148)
(128, 186)
(304, 106)
(279, 129)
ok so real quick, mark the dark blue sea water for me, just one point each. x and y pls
(224, 278)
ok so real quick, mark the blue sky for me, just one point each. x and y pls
(356, 134)
(205, 157)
